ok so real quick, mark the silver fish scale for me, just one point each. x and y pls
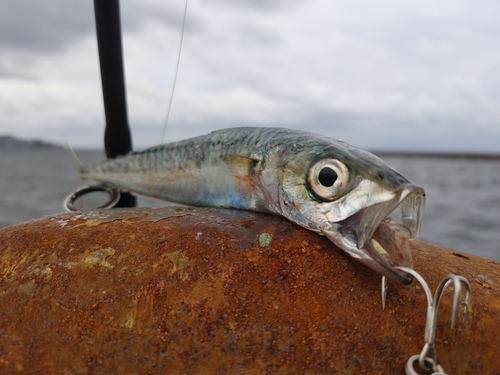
(249, 142)
(190, 171)
(193, 171)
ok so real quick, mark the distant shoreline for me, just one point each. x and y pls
(444, 155)
(12, 143)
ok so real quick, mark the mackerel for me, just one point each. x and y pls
(361, 204)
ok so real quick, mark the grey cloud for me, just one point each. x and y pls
(260, 5)
(48, 25)
(137, 14)
(15, 66)
(52, 25)
(406, 76)
(255, 36)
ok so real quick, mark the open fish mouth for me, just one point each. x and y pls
(378, 235)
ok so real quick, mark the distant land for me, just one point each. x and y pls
(433, 154)
(9, 142)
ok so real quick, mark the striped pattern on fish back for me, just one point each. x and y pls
(249, 142)
(191, 171)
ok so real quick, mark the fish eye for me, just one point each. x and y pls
(328, 178)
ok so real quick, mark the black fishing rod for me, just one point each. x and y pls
(117, 137)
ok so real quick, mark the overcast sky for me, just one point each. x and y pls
(383, 75)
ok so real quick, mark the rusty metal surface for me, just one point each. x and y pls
(205, 291)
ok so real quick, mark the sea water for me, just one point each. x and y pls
(463, 194)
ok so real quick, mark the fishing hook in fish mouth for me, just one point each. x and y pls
(113, 193)
(379, 234)
(426, 363)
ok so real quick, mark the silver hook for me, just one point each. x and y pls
(425, 362)
(114, 196)
(457, 281)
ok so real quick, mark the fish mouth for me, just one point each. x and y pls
(378, 235)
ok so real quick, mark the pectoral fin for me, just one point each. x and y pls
(242, 167)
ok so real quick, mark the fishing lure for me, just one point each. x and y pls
(349, 195)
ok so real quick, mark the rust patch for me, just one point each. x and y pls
(27, 288)
(179, 290)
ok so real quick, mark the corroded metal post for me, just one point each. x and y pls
(173, 290)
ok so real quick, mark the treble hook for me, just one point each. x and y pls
(425, 362)
(114, 196)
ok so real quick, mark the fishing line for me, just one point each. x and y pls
(176, 72)
(72, 152)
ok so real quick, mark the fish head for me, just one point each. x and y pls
(360, 203)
